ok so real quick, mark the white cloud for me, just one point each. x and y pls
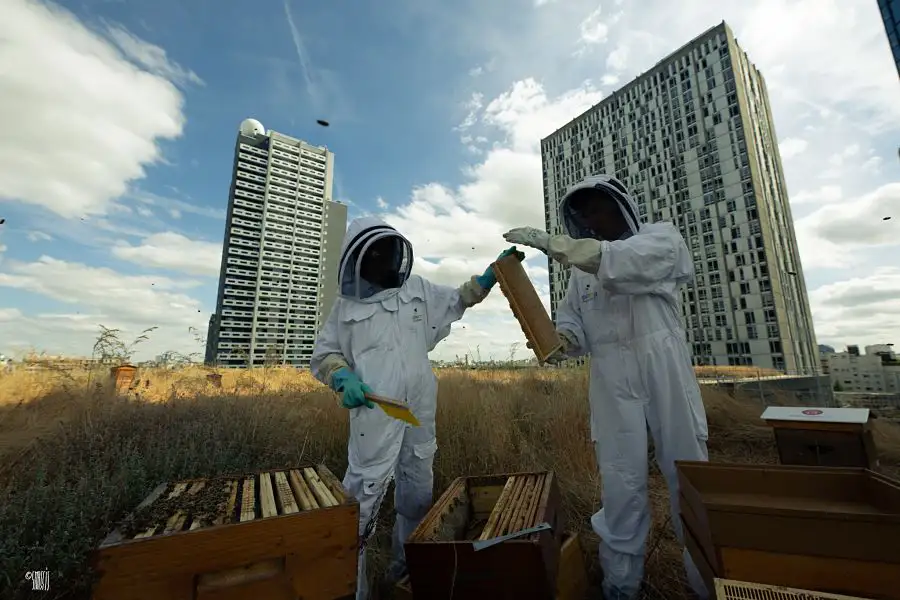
(609, 79)
(9, 314)
(80, 121)
(38, 236)
(824, 195)
(792, 147)
(173, 251)
(861, 310)
(153, 58)
(175, 205)
(859, 222)
(100, 296)
(457, 233)
(593, 30)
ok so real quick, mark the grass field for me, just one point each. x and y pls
(75, 458)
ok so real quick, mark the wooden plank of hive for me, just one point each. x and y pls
(543, 500)
(319, 490)
(532, 519)
(266, 496)
(429, 525)
(227, 514)
(147, 533)
(334, 486)
(285, 495)
(196, 487)
(304, 496)
(175, 522)
(177, 491)
(488, 530)
(510, 507)
(524, 500)
(248, 499)
(527, 307)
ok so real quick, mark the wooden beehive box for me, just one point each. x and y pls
(278, 535)
(571, 577)
(826, 437)
(821, 528)
(527, 307)
(122, 376)
(443, 562)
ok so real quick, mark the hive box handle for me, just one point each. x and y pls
(226, 578)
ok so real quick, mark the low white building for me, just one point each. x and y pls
(876, 371)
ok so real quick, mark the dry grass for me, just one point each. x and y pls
(99, 455)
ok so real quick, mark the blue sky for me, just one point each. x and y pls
(119, 121)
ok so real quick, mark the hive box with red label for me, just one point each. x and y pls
(824, 437)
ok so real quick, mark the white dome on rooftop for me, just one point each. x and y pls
(252, 127)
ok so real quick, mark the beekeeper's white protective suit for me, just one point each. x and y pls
(622, 307)
(385, 339)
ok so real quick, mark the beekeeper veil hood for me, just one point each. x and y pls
(597, 187)
(375, 261)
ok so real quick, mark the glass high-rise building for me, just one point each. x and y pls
(693, 139)
(283, 237)
(890, 14)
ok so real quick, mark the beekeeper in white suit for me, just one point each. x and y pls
(622, 307)
(377, 339)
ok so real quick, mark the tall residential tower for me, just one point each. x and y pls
(280, 256)
(890, 14)
(693, 139)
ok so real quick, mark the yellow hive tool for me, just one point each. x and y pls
(395, 409)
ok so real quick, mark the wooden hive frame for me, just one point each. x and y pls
(527, 307)
(277, 534)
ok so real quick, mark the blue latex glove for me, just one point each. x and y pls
(344, 380)
(488, 279)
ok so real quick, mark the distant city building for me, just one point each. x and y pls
(280, 255)
(876, 371)
(693, 139)
(890, 14)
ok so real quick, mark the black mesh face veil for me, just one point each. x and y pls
(397, 253)
(595, 186)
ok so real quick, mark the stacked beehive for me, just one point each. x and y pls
(277, 534)
(816, 528)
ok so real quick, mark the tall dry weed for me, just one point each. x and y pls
(79, 457)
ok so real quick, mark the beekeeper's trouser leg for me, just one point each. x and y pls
(414, 481)
(624, 521)
(374, 448)
(678, 426)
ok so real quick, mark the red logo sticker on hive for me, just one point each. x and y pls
(812, 412)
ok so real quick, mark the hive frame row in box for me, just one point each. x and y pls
(278, 552)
